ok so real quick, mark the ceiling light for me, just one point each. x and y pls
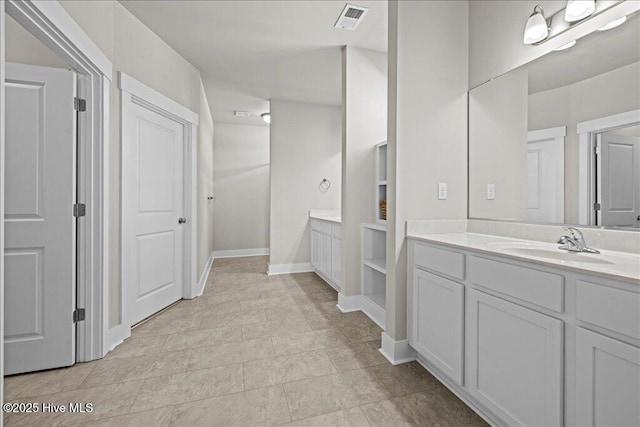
(566, 46)
(613, 24)
(579, 9)
(266, 117)
(537, 28)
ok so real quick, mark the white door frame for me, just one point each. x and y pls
(49, 22)
(558, 134)
(586, 140)
(133, 93)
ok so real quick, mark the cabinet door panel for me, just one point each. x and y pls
(315, 249)
(336, 261)
(438, 328)
(607, 381)
(325, 254)
(515, 359)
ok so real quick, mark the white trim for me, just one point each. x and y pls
(238, 253)
(48, 22)
(586, 184)
(396, 352)
(142, 91)
(2, 201)
(347, 304)
(543, 134)
(132, 93)
(74, 47)
(275, 269)
(205, 274)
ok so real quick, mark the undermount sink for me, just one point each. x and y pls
(549, 251)
(561, 255)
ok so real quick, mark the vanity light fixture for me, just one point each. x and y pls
(613, 24)
(537, 28)
(266, 117)
(579, 9)
(566, 46)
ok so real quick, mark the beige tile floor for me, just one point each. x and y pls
(253, 350)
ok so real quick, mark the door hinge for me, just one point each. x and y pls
(596, 206)
(79, 315)
(79, 209)
(596, 150)
(79, 104)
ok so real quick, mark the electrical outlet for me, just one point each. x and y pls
(442, 191)
(491, 191)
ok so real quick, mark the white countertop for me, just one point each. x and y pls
(326, 215)
(610, 264)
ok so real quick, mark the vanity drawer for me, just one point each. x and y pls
(321, 226)
(534, 286)
(336, 230)
(439, 260)
(613, 309)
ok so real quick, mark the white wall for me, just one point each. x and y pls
(23, 48)
(241, 187)
(427, 129)
(134, 49)
(305, 148)
(364, 109)
(498, 147)
(205, 182)
(609, 93)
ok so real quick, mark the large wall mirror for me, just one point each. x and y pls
(558, 140)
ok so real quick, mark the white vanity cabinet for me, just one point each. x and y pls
(523, 343)
(326, 248)
(515, 361)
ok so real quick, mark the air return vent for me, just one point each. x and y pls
(351, 16)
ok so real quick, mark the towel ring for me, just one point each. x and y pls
(325, 184)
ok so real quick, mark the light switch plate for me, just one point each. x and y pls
(491, 191)
(442, 191)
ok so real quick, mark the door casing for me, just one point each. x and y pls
(54, 27)
(133, 93)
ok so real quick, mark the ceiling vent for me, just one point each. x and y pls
(241, 113)
(351, 16)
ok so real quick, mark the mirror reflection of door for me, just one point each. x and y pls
(545, 175)
(618, 178)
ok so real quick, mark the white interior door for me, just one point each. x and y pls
(40, 239)
(154, 178)
(545, 180)
(619, 180)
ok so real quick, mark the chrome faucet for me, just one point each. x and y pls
(575, 242)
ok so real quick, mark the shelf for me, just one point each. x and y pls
(378, 264)
(379, 299)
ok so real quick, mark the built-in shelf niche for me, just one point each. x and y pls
(381, 182)
(374, 268)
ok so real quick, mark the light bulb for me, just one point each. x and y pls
(266, 117)
(579, 9)
(536, 29)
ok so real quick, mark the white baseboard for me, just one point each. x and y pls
(351, 303)
(396, 352)
(236, 253)
(203, 277)
(275, 269)
(115, 336)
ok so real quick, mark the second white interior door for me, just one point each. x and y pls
(153, 261)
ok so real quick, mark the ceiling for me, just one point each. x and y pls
(251, 51)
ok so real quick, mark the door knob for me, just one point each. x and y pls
(182, 220)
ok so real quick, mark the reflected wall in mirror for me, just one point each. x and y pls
(558, 140)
